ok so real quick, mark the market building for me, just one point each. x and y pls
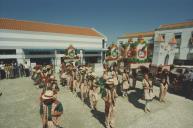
(44, 43)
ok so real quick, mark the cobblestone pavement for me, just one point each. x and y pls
(19, 108)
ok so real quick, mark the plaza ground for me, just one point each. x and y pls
(19, 108)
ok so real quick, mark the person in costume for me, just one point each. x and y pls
(148, 92)
(125, 84)
(50, 110)
(93, 95)
(109, 98)
(163, 90)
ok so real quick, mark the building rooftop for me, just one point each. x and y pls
(13, 24)
(175, 25)
(136, 35)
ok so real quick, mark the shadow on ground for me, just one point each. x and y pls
(100, 116)
(134, 97)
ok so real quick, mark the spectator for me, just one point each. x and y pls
(2, 70)
(26, 68)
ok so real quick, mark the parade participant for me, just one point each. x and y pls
(148, 92)
(69, 75)
(125, 84)
(49, 69)
(63, 78)
(83, 83)
(44, 78)
(109, 97)
(115, 78)
(52, 84)
(163, 90)
(105, 75)
(50, 110)
(37, 79)
(90, 76)
(76, 80)
(93, 95)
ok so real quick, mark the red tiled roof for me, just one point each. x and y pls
(176, 25)
(46, 27)
(138, 34)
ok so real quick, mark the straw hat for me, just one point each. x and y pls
(48, 95)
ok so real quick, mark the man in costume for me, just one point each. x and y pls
(109, 96)
(50, 110)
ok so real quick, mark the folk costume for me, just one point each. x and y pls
(109, 97)
(50, 110)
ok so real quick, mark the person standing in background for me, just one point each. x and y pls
(163, 90)
(2, 70)
(26, 68)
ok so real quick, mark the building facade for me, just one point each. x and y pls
(132, 37)
(173, 44)
(43, 43)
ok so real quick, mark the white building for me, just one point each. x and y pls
(37, 42)
(174, 44)
(132, 37)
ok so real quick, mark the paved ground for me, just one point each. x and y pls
(19, 108)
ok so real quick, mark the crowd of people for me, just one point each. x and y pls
(13, 70)
(81, 79)
(116, 81)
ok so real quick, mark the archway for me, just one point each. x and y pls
(166, 60)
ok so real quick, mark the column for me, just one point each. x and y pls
(57, 61)
(20, 56)
(81, 56)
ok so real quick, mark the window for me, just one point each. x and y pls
(7, 52)
(178, 39)
(163, 36)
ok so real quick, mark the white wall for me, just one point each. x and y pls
(182, 52)
(22, 39)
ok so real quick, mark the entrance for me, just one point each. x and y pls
(166, 60)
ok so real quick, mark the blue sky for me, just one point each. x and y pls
(111, 17)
